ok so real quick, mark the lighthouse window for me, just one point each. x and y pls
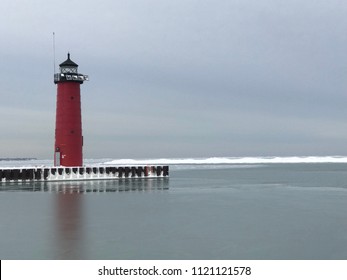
(71, 97)
(69, 70)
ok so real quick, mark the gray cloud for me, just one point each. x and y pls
(179, 78)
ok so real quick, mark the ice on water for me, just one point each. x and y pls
(188, 161)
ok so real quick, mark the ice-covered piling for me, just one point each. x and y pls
(60, 173)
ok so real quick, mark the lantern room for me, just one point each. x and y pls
(69, 72)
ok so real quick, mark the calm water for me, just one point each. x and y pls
(265, 211)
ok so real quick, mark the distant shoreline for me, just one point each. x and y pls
(16, 159)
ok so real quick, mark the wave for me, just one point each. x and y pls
(229, 160)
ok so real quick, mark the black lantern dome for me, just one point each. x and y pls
(68, 66)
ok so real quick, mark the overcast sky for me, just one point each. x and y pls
(183, 78)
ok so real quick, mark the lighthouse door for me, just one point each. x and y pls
(57, 158)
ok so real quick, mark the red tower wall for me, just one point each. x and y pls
(68, 128)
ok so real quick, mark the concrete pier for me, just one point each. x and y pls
(27, 174)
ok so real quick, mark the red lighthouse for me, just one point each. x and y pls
(68, 126)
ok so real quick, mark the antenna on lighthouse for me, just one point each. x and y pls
(54, 53)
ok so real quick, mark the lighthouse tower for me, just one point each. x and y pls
(68, 126)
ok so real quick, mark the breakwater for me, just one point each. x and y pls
(24, 174)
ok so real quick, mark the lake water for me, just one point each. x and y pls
(203, 211)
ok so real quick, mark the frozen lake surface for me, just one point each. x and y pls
(205, 210)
